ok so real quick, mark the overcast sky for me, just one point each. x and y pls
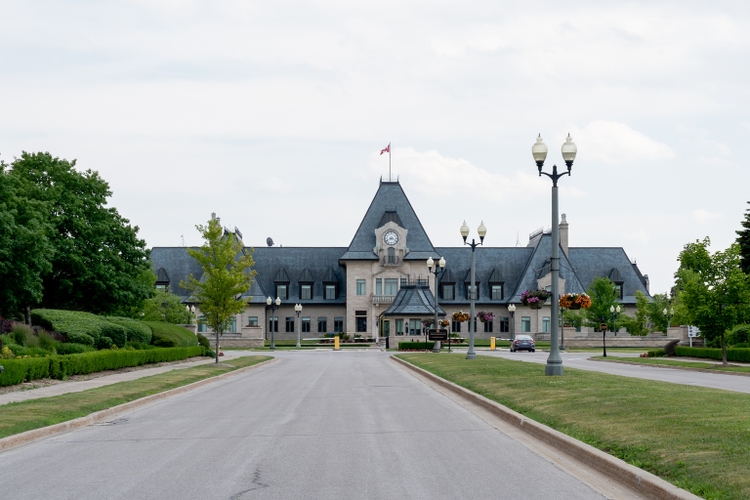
(272, 114)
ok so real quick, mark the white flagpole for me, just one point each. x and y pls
(390, 177)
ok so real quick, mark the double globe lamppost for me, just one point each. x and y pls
(481, 231)
(437, 271)
(298, 310)
(273, 304)
(539, 152)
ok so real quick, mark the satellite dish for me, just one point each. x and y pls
(269, 241)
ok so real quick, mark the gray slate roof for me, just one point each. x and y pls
(414, 300)
(517, 268)
(389, 198)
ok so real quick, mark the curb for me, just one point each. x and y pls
(643, 482)
(23, 438)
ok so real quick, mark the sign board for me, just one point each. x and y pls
(603, 327)
(433, 334)
(693, 331)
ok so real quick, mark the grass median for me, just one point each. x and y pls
(36, 413)
(679, 363)
(693, 437)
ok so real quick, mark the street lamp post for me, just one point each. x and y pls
(298, 309)
(512, 311)
(437, 271)
(669, 315)
(615, 312)
(481, 231)
(539, 152)
(273, 304)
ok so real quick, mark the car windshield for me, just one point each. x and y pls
(523, 337)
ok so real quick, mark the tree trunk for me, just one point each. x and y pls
(723, 350)
(217, 347)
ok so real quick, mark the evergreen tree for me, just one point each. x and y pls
(743, 240)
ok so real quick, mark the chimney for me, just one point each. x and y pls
(564, 235)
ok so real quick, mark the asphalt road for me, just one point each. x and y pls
(737, 383)
(315, 425)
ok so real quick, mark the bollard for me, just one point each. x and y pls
(336, 345)
(492, 343)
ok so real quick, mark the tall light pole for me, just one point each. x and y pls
(273, 304)
(298, 309)
(539, 152)
(437, 271)
(512, 311)
(481, 231)
(615, 312)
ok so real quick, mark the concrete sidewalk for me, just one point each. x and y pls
(65, 387)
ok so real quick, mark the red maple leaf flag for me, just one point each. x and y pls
(386, 149)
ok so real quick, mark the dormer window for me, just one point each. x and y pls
(496, 282)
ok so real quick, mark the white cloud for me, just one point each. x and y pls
(701, 216)
(436, 175)
(614, 142)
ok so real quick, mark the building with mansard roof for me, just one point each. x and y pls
(380, 286)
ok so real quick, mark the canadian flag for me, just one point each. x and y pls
(386, 149)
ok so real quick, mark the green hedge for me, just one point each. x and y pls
(79, 327)
(421, 346)
(90, 329)
(169, 335)
(59, 367)
(741, 355)
(136, 330)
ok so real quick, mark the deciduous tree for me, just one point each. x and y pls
(98, 258)
(714, 290)
(25, 249)
(226, 276)
(603, 295)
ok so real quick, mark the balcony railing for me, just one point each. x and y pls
(383, 299)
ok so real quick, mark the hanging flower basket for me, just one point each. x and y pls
(460, 316)
(485, 317)
(535, 299)
(575, 301)
(444, 323)
(428, 322)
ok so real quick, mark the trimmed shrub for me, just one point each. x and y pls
(61, 366)
(117, 333)
(733, 354)
(103, 343)
(18, 371)
(658, 353)
(169, 335)
(137, 331)
(740, 334)
(73, 348)
(80, 338)
(74, 324)
(420, 346)
(203, 341)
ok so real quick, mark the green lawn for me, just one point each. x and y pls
(678, 362)
(27, 415)
(696, 438)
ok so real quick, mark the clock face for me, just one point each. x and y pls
(391, 238)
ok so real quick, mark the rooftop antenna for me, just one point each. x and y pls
(518, 240)
(182, 236)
